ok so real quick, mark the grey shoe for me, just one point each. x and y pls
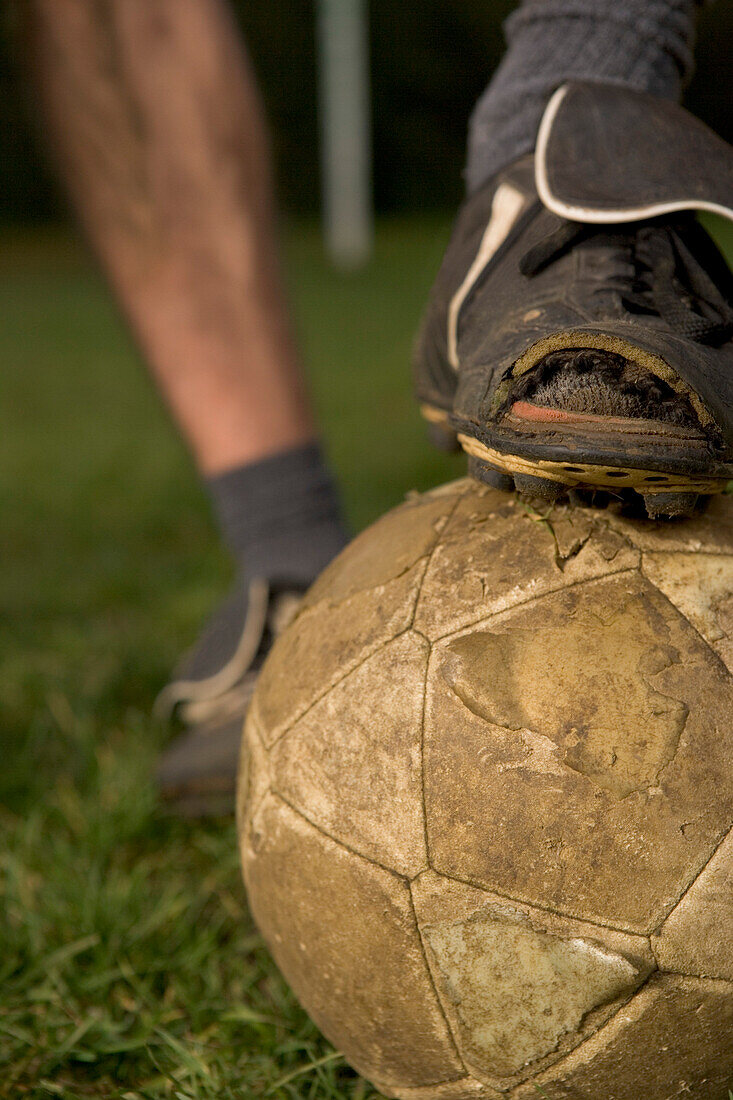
(580, 331)
(210, 692)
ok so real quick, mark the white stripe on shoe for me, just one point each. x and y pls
(191, 691)
(506, 207)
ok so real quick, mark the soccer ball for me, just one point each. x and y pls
(486, 799)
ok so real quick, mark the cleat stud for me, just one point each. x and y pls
(443, 438)
(538, 486)
(488, 475)
(669, 504)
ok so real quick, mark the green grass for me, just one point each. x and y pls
(130, 966)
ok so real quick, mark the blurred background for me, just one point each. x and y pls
(429, 63)
(130, 967)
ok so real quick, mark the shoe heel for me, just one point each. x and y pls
(440, 433)
(443, 438)
(488, 475)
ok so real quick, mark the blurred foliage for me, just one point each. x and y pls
(429, 61)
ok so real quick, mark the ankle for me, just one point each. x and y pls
(281, 516)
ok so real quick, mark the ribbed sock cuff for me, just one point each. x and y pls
(281, 517)
(646, 45)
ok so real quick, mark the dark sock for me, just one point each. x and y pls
(281, 516)
(641, 44)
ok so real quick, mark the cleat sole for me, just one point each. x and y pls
(583, 475)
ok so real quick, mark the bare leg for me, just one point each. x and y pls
(157, 124)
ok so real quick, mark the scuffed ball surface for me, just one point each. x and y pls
(486, 798)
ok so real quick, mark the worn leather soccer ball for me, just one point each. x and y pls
(486, 801)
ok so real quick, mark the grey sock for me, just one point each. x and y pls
(642, 44)
(281, 516)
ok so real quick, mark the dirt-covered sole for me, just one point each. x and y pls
(663, 493)
(588, 475)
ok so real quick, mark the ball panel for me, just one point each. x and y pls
(353, 764)
(389, 547)
(672, 1039)
(520, 987)
(343, 932)
(494, 554)
(588, 814)
(253, 780)
(696, 938)
(326, 642)
(701, 587)
(580, 732)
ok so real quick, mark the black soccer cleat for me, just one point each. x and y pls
(210, 693)
(580, 331)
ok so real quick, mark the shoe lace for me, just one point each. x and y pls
(674, 273)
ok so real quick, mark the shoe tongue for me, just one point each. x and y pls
(607, 154)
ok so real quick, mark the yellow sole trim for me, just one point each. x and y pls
(586, 474)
